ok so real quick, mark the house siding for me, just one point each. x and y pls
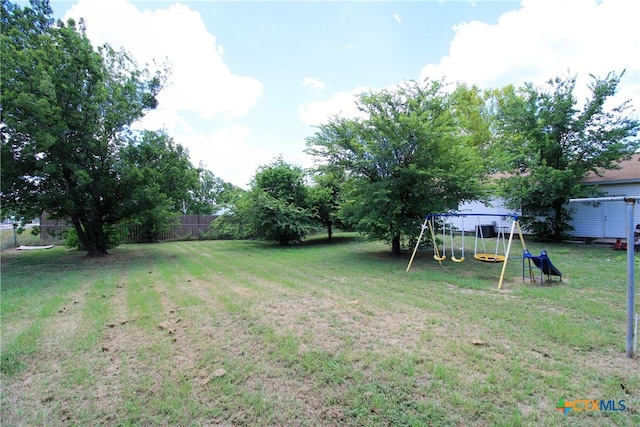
(608, 219)
(492, 214)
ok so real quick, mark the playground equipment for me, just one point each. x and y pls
(453, 251)
(542, 263)
(430, 223)
(489, 257)
(436, 252)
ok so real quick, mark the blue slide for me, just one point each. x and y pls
(542, 262)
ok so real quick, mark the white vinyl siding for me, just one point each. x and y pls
(604, 221)
(608, 220)
(495, 208)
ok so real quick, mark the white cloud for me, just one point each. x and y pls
(200, 81)
(313, 83)
(397, 18)
(341, 103)
(217, 148)
(544, 39)
(541, 40)
(201, 85)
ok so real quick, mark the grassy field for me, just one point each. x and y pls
(245, 333)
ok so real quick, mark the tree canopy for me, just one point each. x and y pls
(410, 155)
(162, 181)
(324, 197)
(67, 148)
(210, 195)
(66, 112)
(548, 143)
(275, 207)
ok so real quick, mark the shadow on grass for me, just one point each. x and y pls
(336, 240)
(313, 241)
(37, 270)
(545, 284)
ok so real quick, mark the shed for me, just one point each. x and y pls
(607, 220)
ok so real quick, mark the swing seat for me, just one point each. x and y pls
(489, 257)
(454, 259)
(440, 258)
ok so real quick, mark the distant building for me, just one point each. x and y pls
(607, 220)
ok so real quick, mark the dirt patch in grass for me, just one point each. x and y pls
(336, 325)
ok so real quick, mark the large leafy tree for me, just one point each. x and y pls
(66, 108)
(324, 197)
(548, 141)
(407, 157)
(275, 208)
(211, 194)
(162, 179)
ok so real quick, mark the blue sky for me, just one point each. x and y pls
(251, 79)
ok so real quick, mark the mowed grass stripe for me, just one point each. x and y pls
(277, 347)
(293, 341)
(208, 351)
(307, 272)
(499, 313)
(168, 393)
(347, 338)
(241, 333)
(52, 291)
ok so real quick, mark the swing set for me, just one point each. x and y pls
(448, 231)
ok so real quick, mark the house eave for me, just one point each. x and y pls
(612, 182)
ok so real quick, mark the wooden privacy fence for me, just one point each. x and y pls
(188, 226)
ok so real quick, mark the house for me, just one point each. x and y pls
(493, 214)
(608, 219)
(603, 220)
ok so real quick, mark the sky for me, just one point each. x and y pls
(251, 81)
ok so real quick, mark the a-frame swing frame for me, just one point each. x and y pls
(428, 225)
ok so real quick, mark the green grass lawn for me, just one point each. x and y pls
(246, 333)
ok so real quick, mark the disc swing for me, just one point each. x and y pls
(485, 256)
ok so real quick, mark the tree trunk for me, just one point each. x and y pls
(96, 250)
(558, 230)
(92, 237)
(395, 244)
(329, 231)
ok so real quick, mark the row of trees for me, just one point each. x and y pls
(284, 203)
(68, 149)
(67, 146)
(422, 148)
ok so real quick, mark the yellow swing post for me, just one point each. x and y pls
(506, 255)
(424, 226)
(436, 256)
